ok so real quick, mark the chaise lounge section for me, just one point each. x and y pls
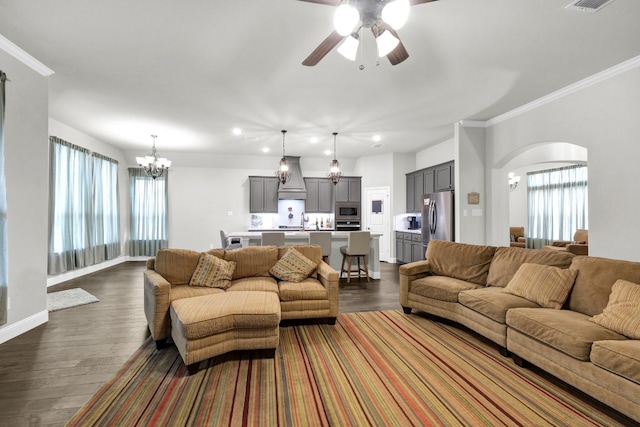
(574, 316)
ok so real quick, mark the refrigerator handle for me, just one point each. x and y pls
(434, 217)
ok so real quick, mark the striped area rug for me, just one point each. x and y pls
(370, 369)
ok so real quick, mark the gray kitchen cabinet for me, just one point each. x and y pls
(418, 191)
(411, 185)
(319, 195)
(443, 177)
(399, 248)
(348, 189)
(428, 183)
(408, 247)
(263, 194)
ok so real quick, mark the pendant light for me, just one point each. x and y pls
(151, 164)
(283, 173)
(334, 167)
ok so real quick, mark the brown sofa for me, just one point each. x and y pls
(578, 246)
(517, 239)
(465, 283)
(167, 278)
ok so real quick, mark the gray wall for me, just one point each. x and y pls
(27, 173)
(603, 118)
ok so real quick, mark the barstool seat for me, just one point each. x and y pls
(358, 244)
(322, 238)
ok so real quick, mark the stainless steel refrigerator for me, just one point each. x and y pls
(437, 217)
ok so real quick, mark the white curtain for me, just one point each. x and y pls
(106, 209)
(148, 213)
(83, 207)
(558, 204)
(4, 253)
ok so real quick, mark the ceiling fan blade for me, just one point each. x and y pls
(398, 54)
(327, 2)
(412, 2)
(323, 48)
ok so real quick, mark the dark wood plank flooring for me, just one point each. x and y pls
(48, 373)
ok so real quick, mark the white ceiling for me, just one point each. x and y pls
(190, 71)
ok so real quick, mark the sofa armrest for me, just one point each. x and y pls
(157, 298)
(559, 243)
(578, 249)
(408, 273)
(330, 280)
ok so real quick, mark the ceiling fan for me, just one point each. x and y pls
(383, 17)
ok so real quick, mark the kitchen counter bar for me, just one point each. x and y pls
(338, 239)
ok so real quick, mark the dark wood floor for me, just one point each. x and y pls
(48, 373)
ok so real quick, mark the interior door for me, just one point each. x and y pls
(377, 217)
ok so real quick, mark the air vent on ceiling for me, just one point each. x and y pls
(588, 5)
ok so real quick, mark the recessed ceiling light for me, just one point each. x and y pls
(265, 150)
(237, 131)
(327, 152)
(376, 138)
(314, 140)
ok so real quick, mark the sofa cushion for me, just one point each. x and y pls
(261, 284)
(543, 284)
(213, 272)
(313, 252)
(596, 276)
(507, 260)
(460, 260)
(565, 330)
(186, 291)
(442, 288)
(492, 302)
(252, 261)
(293, 267)
(622, 313)
(308, 289)
(619, 357)
(176, 265)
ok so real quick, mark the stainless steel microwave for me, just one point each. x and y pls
(347, 211)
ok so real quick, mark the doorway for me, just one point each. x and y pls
(377, 217)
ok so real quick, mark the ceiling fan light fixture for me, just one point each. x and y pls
(345, 19)
(386, 42)
(396, 13)
(349, 47)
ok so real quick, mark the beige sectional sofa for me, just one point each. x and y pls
(540, 307)
(169, 283)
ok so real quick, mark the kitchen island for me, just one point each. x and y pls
(338, 239)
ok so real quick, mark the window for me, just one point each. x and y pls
(558, 204)
(83, 205)
(148, 213)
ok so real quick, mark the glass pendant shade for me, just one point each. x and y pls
(396, 13)
(349, 48)
(386, 43)
(334, 167)
(283, 173)
(151, 164)
(345, 19)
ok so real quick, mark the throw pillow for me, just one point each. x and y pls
(212, 272)
(622, 313)
(293, 267)
(545, 285)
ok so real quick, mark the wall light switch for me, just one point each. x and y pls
(465, 212)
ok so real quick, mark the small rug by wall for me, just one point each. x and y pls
(69, 298)
(371, 368)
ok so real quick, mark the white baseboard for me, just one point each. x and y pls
(59, 278)
(22, 326)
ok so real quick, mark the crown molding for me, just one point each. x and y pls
(568, 90)
(554, 96)
(22, 56)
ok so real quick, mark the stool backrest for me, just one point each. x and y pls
(322, 238)
(358, 242)
(275, 238)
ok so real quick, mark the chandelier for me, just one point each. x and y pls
(283, 173)
(153, 165)
(334, 167)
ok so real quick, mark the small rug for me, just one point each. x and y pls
(371, 369)
(69, 298)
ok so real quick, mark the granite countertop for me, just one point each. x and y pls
(417, 231)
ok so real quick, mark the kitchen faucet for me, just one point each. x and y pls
(302, 221)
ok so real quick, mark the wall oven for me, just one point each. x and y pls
(347, 212)
(347, 225)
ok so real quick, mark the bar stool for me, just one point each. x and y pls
(358, 244)
(322, 238)
(274, 238)
(228, 243)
